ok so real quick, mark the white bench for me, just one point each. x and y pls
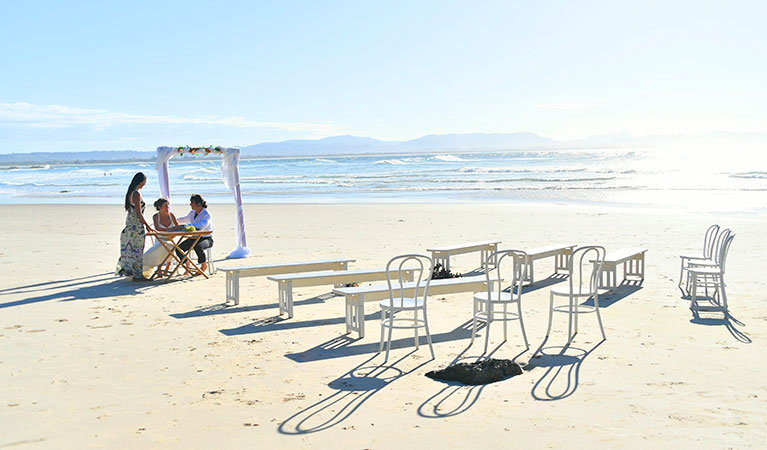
(560, 253)
(286, 283)
(357, 296)
(233, 274)
(442, 255)
(633, 265)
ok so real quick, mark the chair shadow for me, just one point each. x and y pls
(626, 288)
(560, 380)
(83, 290)
(342, 346)
(47, 285)
(728, 321)
(352, 390)
(228, 308)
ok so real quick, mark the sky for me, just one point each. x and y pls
(77, 76)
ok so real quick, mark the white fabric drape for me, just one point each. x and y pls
(164, 154)
(230, 172)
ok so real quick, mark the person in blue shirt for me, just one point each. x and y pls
(200, 219)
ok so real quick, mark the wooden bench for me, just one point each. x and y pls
(286, 283)
(356, 297)
(441, 255)
(233, 274)
(560, 253)
(633, 265)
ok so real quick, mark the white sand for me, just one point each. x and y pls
(91, 360)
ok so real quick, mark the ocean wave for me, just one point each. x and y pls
(199, 178)
(323, 160)
(487, 170)
(750, 175)
(447, 158)
(400, 161)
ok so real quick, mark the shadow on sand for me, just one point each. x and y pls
(93, 286)
(351, 390)
(227, 308)
(563, 365)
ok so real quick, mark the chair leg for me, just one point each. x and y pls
(474, 324)
(391, 327)
(599, 316)
(428, 334)
(570, 319)
(693, 278)
(724, 295)
(488, 320)
(505, 316)
(522, 324)
(383, 319)
(551, 313)
(415, 328)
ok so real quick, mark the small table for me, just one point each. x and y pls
(170, 240)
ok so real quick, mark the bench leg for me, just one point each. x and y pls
(355, 315)
(634, 267)
(485, 261)
(608, 279)
(233, 287)
(285, 290)
(560, 262)
(529, 276)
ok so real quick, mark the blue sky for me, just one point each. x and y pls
(137, 75)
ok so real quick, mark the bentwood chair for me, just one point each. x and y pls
(709, 242)
(402, 309)
(511, 263)
(584, 271)
(711, 277)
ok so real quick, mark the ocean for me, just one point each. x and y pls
(654, 178)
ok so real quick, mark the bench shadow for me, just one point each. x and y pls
(626, 288)
(228, 308)
(727, 321)
(552, 279)
(80, 290)
(343, 346)
(562, 370)
(350, 391)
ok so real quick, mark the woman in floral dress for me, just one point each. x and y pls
(133, 235)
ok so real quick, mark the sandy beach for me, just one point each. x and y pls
(92, 360)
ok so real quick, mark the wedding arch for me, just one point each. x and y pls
(230, 172)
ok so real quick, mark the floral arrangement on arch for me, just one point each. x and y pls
(199, 150)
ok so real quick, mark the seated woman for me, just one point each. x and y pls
(164, 220)
(200, 219)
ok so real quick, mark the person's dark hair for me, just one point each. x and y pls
(159, 202)
(137, 179)
(197, 198)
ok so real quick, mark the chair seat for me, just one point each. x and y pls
(577, 292)
(715, 270)
(505, 297)
(402, 303)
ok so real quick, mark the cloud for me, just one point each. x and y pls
(58, 116)
(564, 105)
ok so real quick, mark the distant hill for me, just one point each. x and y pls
(340, 145)
(77, 157)
(434, 142)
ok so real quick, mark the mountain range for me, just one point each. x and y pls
(339, 145)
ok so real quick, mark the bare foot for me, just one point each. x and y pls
(204, 266)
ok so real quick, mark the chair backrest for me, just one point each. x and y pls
(513, 268)
(585, 268)
(709, 241)
(720, 240)
(724, 250)
(422, 268)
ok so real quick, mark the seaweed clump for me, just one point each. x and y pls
(480, 372)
